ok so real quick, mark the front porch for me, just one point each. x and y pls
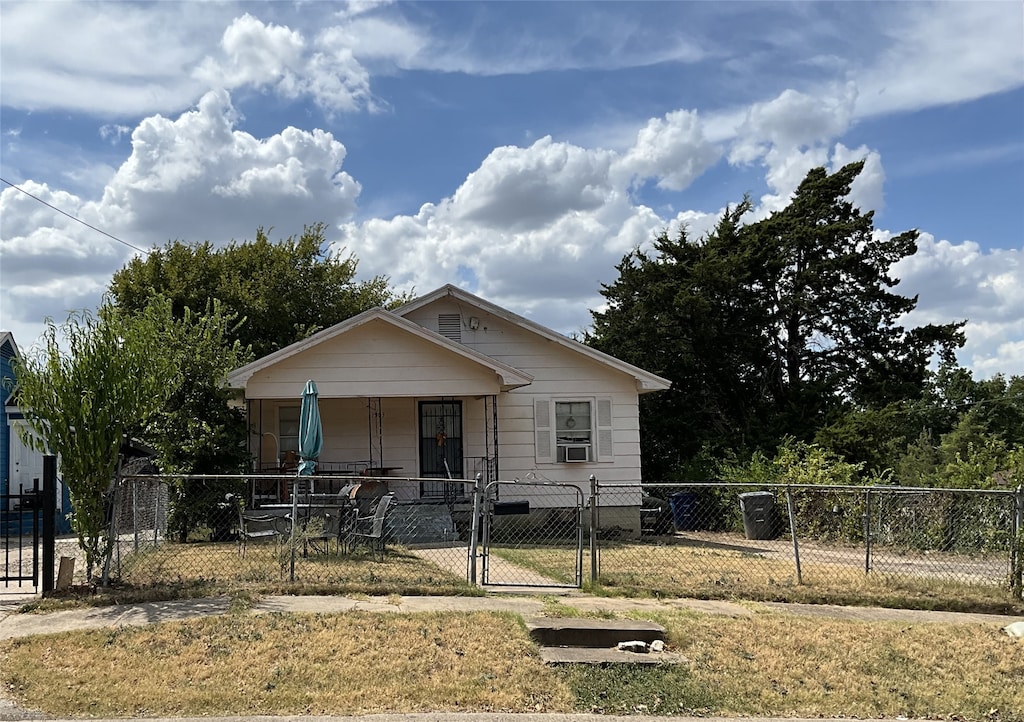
(410, 445)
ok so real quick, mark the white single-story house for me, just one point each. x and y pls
(449, 386)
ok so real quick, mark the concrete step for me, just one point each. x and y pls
(572, 640)
(595, 633)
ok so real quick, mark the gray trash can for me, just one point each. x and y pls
(759, 518)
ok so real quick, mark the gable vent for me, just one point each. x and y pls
(449, 325)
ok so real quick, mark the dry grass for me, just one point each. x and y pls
(768, 664)
(778, 664)
(820, 667)
(267, 567)
(634, 569)
(288, 664)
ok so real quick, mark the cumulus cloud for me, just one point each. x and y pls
(524, 188)
(792, 121)
(193, 178)
(962, 282)
(229, 181)
(672, 149)
(260, 55)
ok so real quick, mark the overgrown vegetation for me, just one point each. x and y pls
(786, 331)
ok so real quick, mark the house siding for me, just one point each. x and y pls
(375, 360)
(559, 373)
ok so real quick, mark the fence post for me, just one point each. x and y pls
(474, 534)
(594, 521)
(49, 507)
(867, 531)
(1017, 545)
(792, 533)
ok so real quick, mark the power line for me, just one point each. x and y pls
(74, 218)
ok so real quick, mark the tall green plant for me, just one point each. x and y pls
(199, 431)
(82, 402)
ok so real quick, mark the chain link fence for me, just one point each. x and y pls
(886, 545)
(229, 532)
(816, 543)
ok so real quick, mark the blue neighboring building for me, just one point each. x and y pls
(19, 464)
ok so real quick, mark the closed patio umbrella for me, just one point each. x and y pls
(311, 434)
(311, 441)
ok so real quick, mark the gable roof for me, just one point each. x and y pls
(645, 381)
(8, 351)
(510, 377)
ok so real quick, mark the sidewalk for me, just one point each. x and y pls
(14, 625)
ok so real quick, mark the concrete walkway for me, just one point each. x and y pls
(14, 625)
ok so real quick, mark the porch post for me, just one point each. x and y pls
(474, 535)
(494, 430)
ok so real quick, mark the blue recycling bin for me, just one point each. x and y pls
(684, 510)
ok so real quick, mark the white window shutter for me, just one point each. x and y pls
(605, 450)
(543, 430)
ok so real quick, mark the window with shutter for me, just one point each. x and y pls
(542, 430)
(605, 450)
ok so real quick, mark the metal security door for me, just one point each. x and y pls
(532, 534)
(440, 448)
(20, 527)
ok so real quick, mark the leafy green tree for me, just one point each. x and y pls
(834, 335)
(876, 438)
(769, 329)
(279, 292)
(82, 403)
(686, 311)
(198, 430)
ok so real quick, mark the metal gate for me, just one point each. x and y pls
(20, 534)
(532, 534)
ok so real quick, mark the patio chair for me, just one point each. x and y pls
(321, 529)
(369, 530)
(260, 527)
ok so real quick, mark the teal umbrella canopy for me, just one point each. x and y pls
(311, 434)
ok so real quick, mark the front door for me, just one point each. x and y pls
(440, 446)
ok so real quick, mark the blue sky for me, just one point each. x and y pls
(518, 149)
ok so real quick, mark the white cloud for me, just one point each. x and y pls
(524, 188)
(672, 149)
(254, 53)
(941, 53)
(195, 178)
(792, 121)
(260, 55)
(110, 59)
(960, 281)
(229, 181)
(866, 189)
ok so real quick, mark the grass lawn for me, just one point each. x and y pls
(672, 570)
(770, 663)
(217, 567)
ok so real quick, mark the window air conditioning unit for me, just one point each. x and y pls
(577, 453)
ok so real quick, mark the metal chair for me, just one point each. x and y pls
(369, 530)
(321, 529)
(259, 527)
